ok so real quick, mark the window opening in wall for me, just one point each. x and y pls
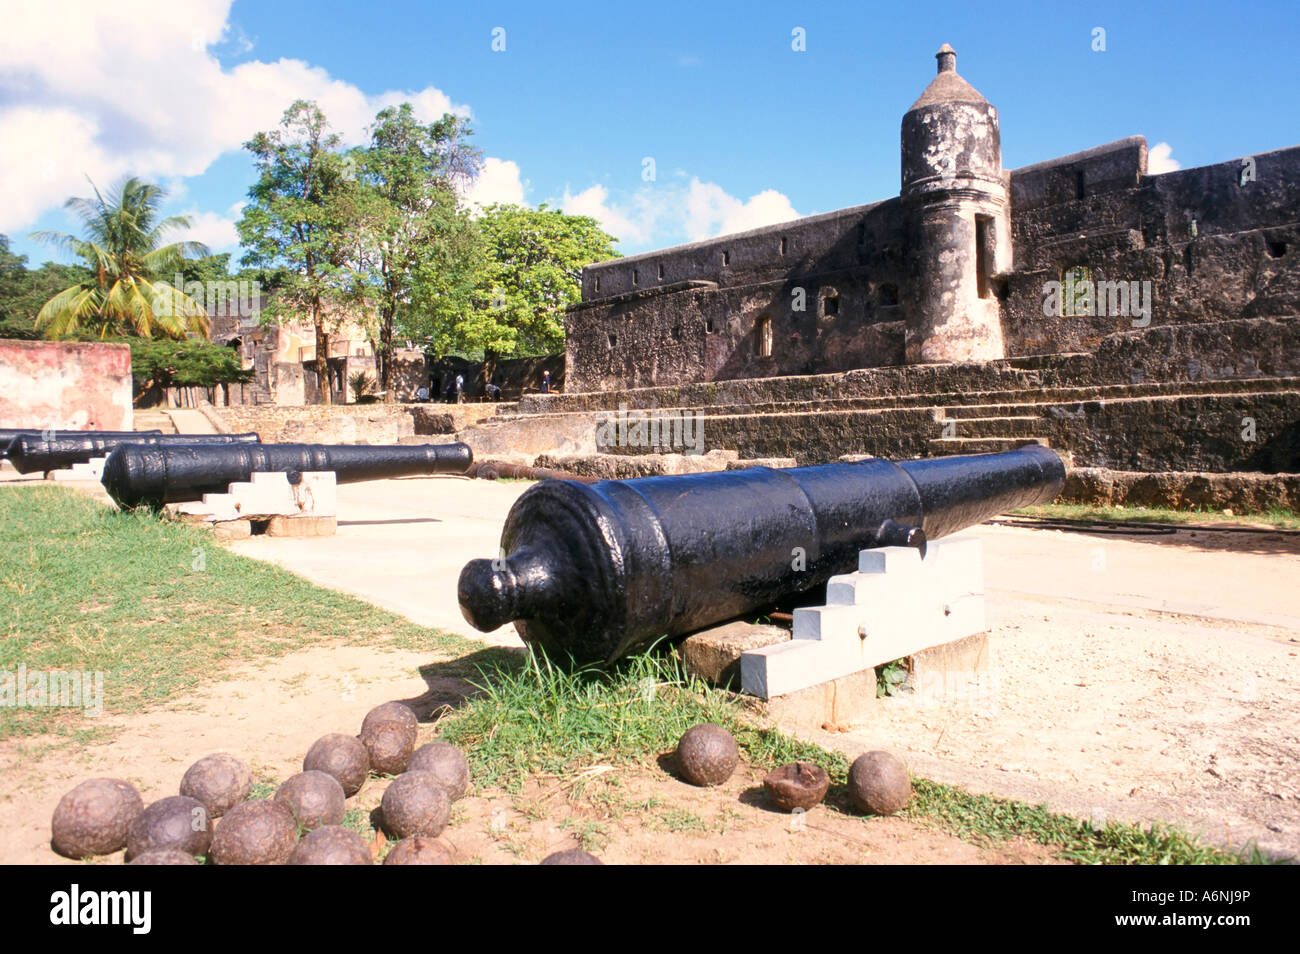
(661, 271)
(636, 277)
(983, 254)
(677, 332)
(831, 305)
(613, 340)
(763, 337)
(708, 326)
(783, 245)
(1078, 183)
(597, 284)
(1276, 249)
(726, 259)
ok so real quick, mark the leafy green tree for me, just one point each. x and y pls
(301, 218)
(126, 251)
(15, 287)
(419, 248)
(158, 364)
(531, 274)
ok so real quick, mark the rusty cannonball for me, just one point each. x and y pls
(219, 781)
(315, 798)
(332, 845)
(94, 818)
(799, 785)
(258, 832)
(176, 821)
(416, 804)
(574, 856)
(164, 856)
(446, 762)
(389, 746)
(388, 733)
(390, 713)
(419, 850)
(879, 783)
(343, 756)
(707, 755)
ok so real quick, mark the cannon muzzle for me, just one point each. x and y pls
(153, 474)
(598, 571)
(30, 453)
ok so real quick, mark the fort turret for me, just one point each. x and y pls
(957, 221)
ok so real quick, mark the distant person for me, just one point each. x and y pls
(493, 391)
(422, 395)
(546, 382)
(460, 389)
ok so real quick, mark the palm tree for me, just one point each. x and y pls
(124, 248)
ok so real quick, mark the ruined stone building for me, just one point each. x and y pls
(958, 267)
(283, 356)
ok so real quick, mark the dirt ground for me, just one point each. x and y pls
(1136, 677)
(270, 714)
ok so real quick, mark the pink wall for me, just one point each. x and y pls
(72, 385)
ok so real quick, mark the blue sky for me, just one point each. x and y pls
(742, 128)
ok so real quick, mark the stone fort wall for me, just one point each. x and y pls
(830, 292)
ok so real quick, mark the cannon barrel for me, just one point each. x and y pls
(30, 452)
(153, 474)
(7, 434)
(598, 571)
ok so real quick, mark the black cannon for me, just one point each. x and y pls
(30, 453)
(153, 474)
(7, 434)
(598, 571)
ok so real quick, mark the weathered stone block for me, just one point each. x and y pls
(302, 527)
(714, 654)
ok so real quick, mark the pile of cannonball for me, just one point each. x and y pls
(878, 782)
(301, 824)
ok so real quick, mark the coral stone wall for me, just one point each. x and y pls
(834, 292)
(68, 385)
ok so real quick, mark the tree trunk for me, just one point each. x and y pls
(322, 362)
(386, 354)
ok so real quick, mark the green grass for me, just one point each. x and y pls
(537, 717)
(158, 607)
(1276, 517)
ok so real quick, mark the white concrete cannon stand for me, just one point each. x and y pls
(311, 504)
(895, 605)
(92, 469)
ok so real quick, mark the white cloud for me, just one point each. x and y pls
(1160, 159)
(654, 216)
(711, 211)
(214, 230)
(152, 102)
(499, 181)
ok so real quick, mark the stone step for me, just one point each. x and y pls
(969, 404)
(153, 421)
(1039, 408)
(947, 446)
(989, 426)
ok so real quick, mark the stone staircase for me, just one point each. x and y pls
(940, 410)
(153, 420)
